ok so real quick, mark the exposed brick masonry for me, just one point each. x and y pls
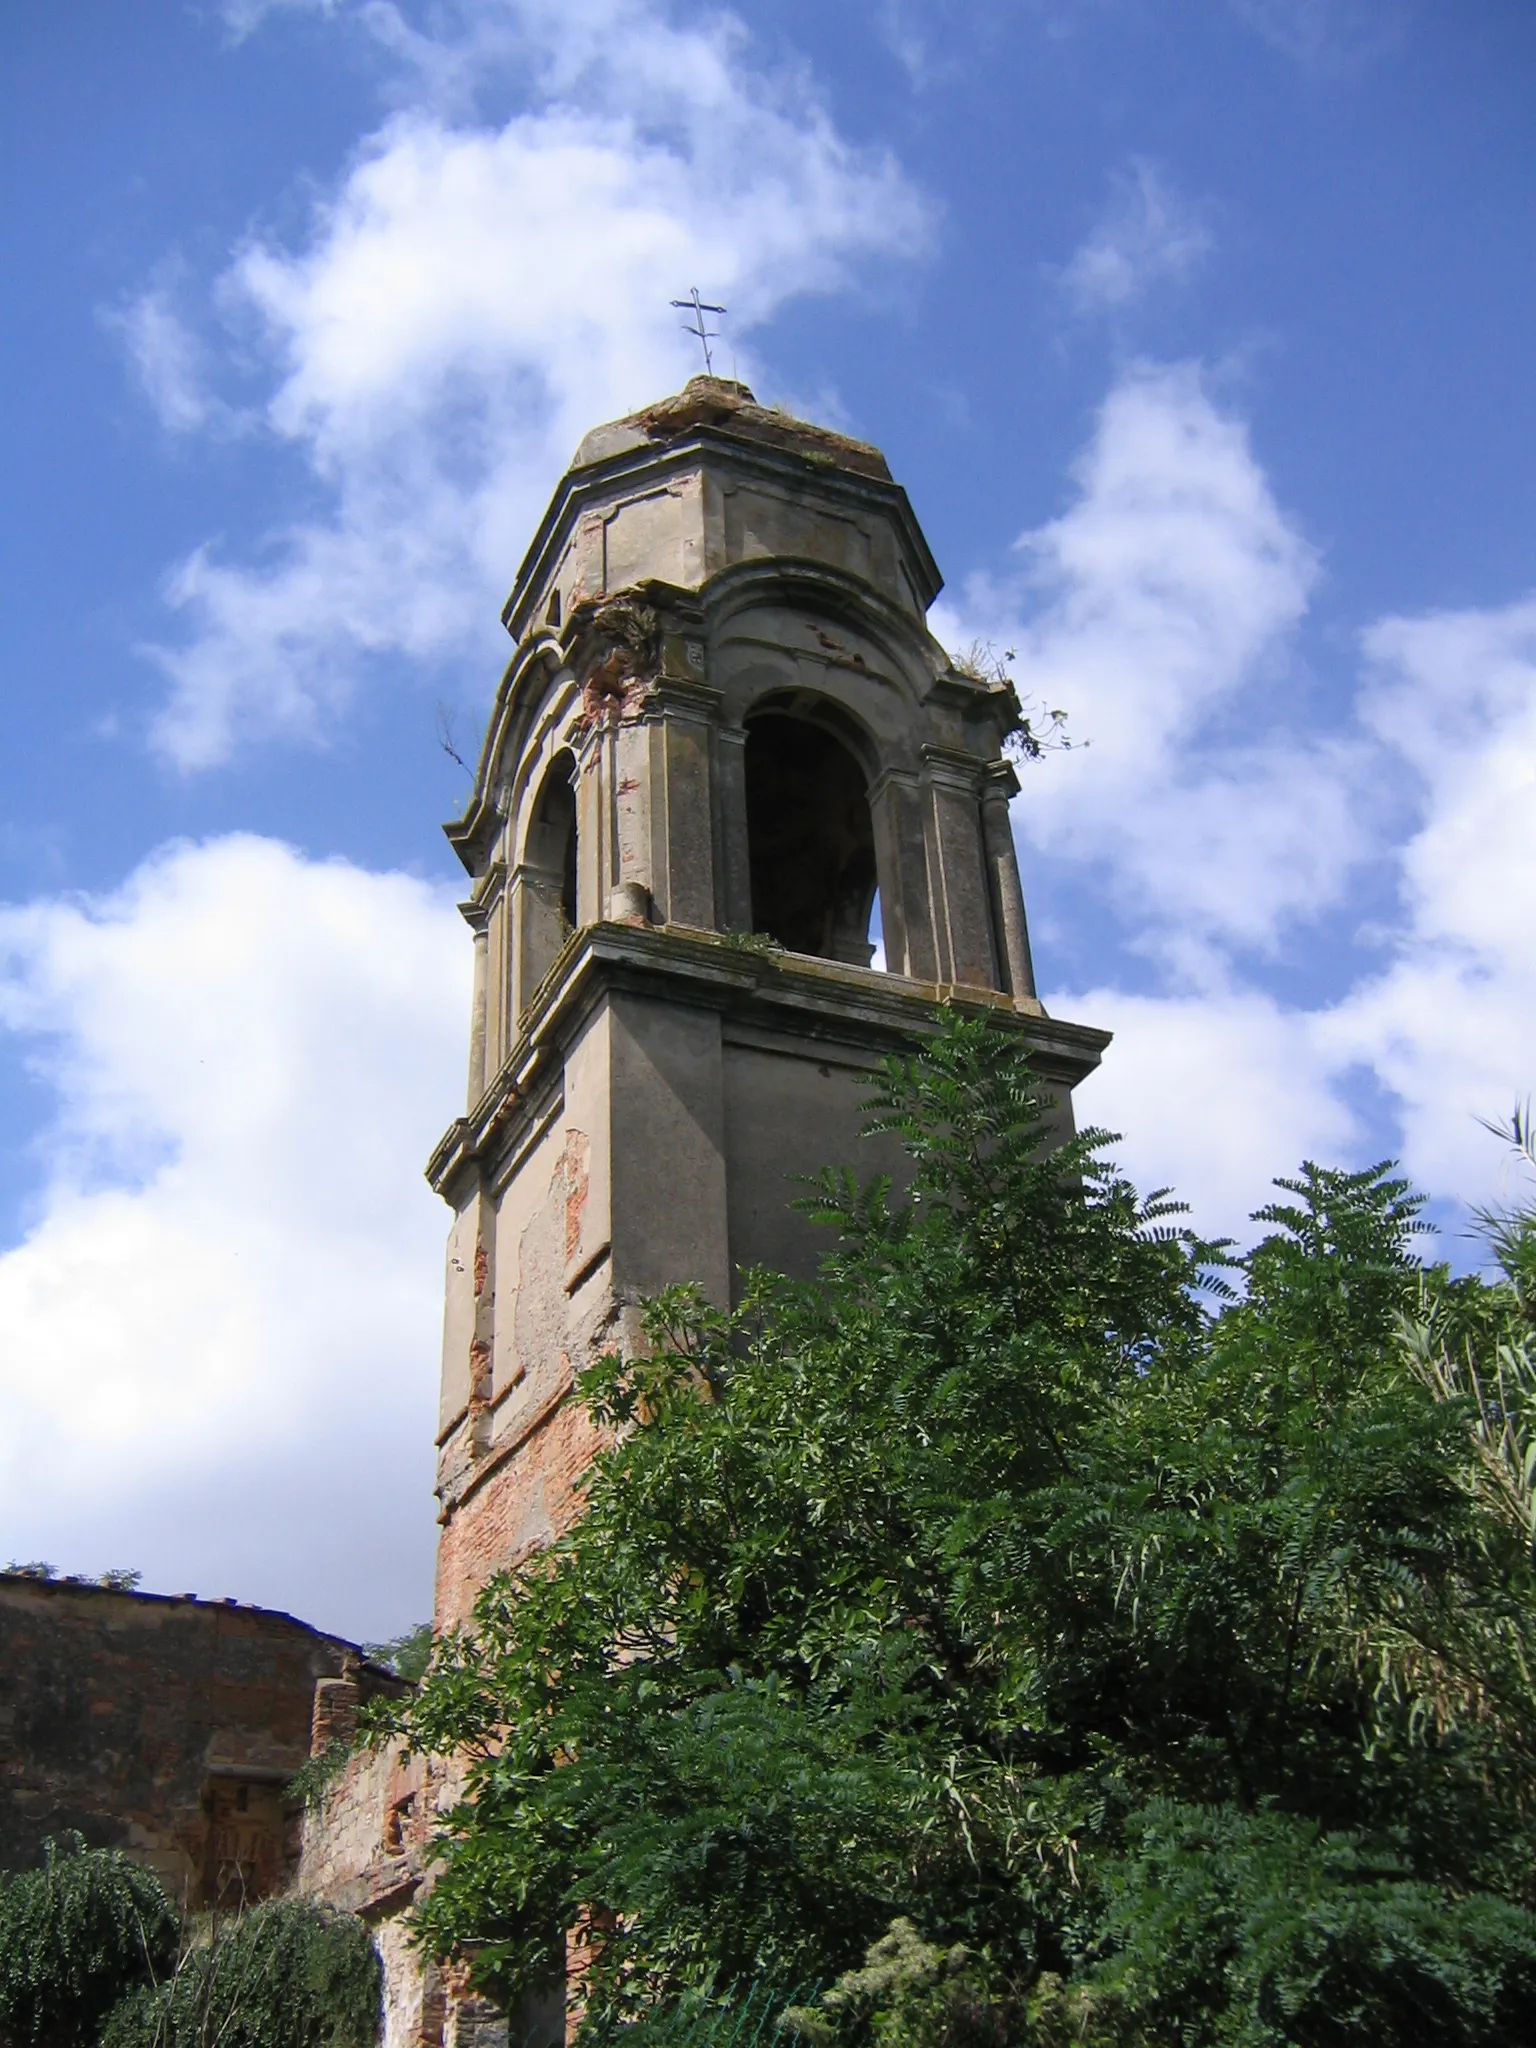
(169, 1728)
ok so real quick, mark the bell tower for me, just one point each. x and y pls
(727, 762)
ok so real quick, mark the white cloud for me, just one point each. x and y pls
(1213, 1094)
(1147, 235)
(1158, 611)
(243, 17)
(470, 299)
(1455, 694)
(1329, 35)
(219, 1335)
(934, 41)
(168, 360)
(1448, 1026)
(1161, 609)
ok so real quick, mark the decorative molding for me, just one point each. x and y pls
(805, 997)
(733, 455)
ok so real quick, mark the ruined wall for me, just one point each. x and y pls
(368, 1850)
(527, 1496)
(168, 1728)
(365, 1849)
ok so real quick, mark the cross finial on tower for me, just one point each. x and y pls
(696, 327)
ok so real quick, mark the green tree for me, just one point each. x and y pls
(288, 1974)
(406, 1655)
(76, 1935)
(1162, 1641)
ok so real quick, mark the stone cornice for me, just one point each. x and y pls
(733, 451)
(955, 767)
(764, 989)
(684, 696)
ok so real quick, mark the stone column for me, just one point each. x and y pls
(734, 906)
(962, 903)
(593, 865)
(635, 800)
(474, 916)
(1003, 873)
(500, 1022)
(681, 716)
(901, 871)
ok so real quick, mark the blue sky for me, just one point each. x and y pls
(1199, 332)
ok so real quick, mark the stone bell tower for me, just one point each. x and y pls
(725, 753)
(725, 742)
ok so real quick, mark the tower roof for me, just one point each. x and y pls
(732, 409)
(765, 483)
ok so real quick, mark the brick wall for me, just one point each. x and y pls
(168, 1728)
(527, 1496)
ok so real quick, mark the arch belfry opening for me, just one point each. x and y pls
(552, 839)
(559, 824)
(549, 871)
(810, 839)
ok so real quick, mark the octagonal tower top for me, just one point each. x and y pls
(724, 716)
(722, 480)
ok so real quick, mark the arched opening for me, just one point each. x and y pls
(810, 839)
(568, 859)
(552, 837)
(548, 911)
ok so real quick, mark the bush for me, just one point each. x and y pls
(909, 1994)
(288, 1974)
(1163, 1644)
(1244, 1929)
(75, 1936)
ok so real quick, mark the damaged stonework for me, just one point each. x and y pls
(365, 1850)
(617, 643)
(167, 1728)
(725, 738)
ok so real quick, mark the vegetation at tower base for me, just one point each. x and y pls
(287, 1974)
(76, 1935)
(92, 1951)
(1162, 1642)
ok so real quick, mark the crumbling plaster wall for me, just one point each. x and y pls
(366, 1847)
(168, 1728)
(618, 1189)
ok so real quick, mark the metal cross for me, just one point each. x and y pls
(705, 335)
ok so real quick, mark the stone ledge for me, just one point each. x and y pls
(799, 997)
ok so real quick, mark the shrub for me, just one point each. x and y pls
(288, 1974)
(75, 1936)
(910, 1993)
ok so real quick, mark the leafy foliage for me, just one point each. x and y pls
(909, 1994)
(406, 1655)
(117, 1580)
(1037, 730)
(288, 1974)
(75, 1936)
(1163, 1643)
